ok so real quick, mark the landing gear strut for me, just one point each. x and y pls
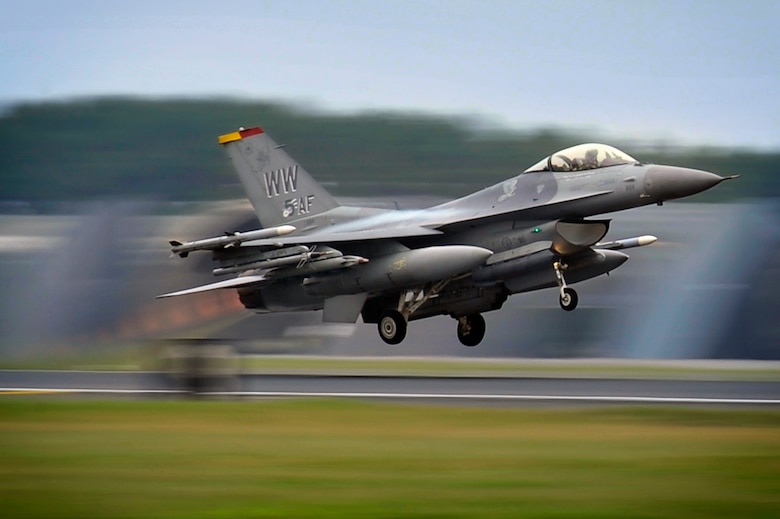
(471, 329)
(568, 296)
(392, 323)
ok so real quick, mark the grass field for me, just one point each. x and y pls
(330, 458)
(148, 356)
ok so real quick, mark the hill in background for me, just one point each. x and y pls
(167, 149)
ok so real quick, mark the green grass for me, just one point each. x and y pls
(147, 356)
(468, 367)
(331, 458)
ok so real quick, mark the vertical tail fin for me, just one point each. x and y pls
(279, 188)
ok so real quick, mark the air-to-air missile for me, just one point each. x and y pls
(639, 241)
(229, 240)
(264, 263)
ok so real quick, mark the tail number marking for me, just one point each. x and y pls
(281, 181)
(298, 206)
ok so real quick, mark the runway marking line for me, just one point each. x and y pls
(419, 396)
(582, 398)
(29, 392)
(57, 391)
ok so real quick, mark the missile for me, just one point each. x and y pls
(238, 256)
(280, 253)
(229, 240)
(627, 243)
(322, 265)
(266, 264)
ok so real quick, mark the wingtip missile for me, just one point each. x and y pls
(284, 229)
(229, 240)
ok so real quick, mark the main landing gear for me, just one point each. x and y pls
(567, 298)
(471, 329)
(392, 326)
(393, 322)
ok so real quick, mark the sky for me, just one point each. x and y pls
(683, 71)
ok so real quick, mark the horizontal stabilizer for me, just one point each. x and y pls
(228, 283)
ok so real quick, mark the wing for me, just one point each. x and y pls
(238, 282)
(428, 223)
(263, 265)
(262, 238)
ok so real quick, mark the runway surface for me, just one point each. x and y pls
(519, 391)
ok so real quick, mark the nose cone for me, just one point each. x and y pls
(667, 182)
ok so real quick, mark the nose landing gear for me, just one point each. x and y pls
(568, 297)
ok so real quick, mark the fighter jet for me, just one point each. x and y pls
(461, 258)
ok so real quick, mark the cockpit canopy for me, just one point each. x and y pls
(582, 157)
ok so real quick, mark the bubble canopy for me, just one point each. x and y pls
(582, 157)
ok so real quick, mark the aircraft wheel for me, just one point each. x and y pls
(392, 327)
(471, 329)
(568, 300)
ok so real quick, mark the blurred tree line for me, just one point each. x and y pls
(167, 149)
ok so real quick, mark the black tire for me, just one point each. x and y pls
(473, 332)
(569, 299)
(392, 327)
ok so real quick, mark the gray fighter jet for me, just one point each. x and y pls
(460, 258)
